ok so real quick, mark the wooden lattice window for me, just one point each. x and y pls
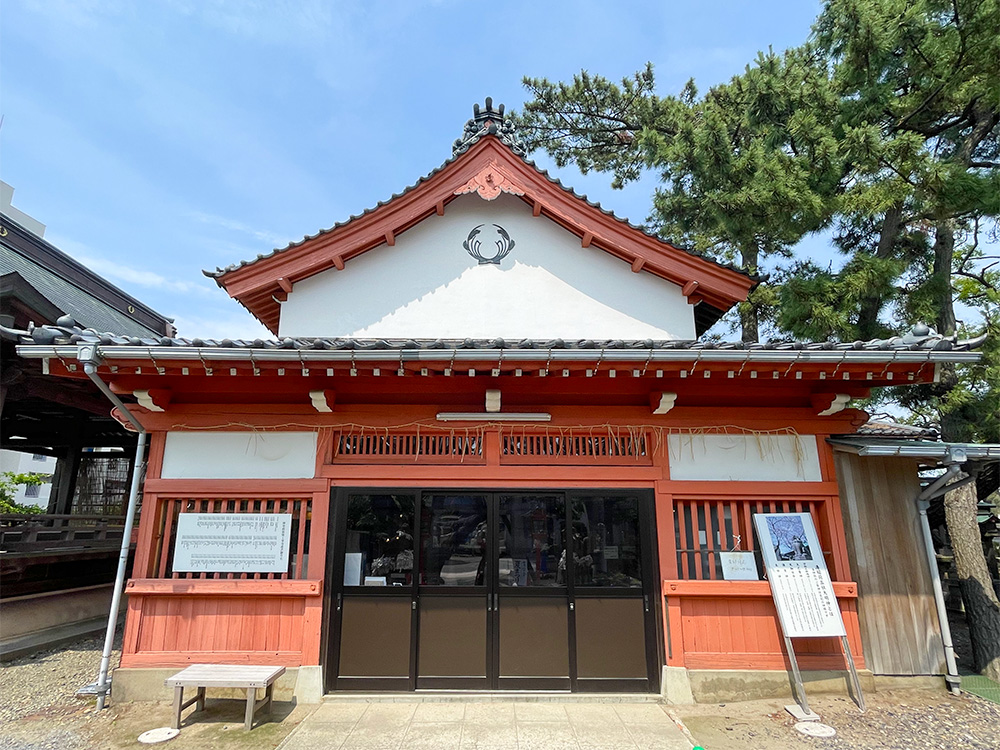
(298, 557)
(704, 528)
(628, 448)
(399, 447)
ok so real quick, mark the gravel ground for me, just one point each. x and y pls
(39, 711)
(39, 708)
(895, 720)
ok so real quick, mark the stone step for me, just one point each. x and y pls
(475, 696)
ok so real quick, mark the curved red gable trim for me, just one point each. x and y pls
(257, 286)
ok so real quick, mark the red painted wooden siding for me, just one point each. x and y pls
(223, 622)
(707, 623)
(734, 625)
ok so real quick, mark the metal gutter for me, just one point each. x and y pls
(90, 358)
(764, 356)
(940, 487)
(912, 449)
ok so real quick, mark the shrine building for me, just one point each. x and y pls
(496, 452)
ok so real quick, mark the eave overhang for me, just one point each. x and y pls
(541, 355)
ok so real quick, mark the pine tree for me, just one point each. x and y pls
(747, 169)
(885, 124)
(920, 86)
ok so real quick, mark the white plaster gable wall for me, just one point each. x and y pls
(428, 286)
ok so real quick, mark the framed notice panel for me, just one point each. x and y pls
(796, 569)
(802, 591)
(232, 542)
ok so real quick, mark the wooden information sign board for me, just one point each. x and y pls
(801, 587)
(232, 542)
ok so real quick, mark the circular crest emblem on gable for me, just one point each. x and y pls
(490, 245)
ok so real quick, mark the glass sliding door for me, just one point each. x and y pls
(545, 590)
(531, 610)
(372, 591)
(613, 592)
(454, 591)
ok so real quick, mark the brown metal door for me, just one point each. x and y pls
(613, 591)
(371, 590)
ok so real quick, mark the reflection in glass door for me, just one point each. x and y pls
(371, 602)
(612, 575)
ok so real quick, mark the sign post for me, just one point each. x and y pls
(802, 590)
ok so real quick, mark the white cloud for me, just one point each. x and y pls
(138, 276)
(237, 226)
(122, 273)
(270, 22)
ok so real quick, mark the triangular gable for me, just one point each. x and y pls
(487, 270)
(485, 165)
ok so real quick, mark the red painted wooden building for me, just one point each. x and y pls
(508, 460)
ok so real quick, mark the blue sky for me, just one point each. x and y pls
(158, 138)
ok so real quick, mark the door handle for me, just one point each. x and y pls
(496, 602)
(340, 599)
(572, 606)
(645, 601)
(413, 605)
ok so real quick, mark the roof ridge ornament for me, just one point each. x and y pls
(488, 121)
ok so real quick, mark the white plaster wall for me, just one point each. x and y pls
(748, 458)
(428, 286)
(239, 455)
(26, 463)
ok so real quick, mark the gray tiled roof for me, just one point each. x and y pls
(69, 298)
(475, 129)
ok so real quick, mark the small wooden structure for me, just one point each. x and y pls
(879, 470)
(896, 613)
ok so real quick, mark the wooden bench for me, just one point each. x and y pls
(203, 676)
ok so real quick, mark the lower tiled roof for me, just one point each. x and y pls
(68, 332)
(888, 429)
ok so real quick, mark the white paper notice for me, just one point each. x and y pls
(353, 562)
(739, 566)
(800, 582)
(232, 542)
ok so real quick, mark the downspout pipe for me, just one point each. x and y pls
(937, 488)
(90, 359)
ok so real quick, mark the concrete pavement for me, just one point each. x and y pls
(506, 725)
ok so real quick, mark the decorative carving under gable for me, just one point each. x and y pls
(490, 182)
